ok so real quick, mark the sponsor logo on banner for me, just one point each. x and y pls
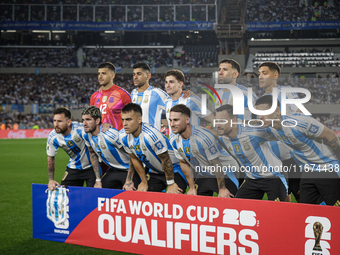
(57, 209)
(318, 234)
(17, 134)
(44, 133)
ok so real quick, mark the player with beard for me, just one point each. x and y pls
(174, 81)
(110, 98)
(105, 146)
(68, 136)
(197, 150)
(228, 72)
(152, 100)
(147, 145)
(247, 145)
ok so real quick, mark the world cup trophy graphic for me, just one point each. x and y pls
(317, 228)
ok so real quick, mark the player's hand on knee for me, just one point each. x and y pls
(52, 185)
(98, 185)
(129, 186)
(174, 189)
(225, 193)
(192, 191)
(143, 186)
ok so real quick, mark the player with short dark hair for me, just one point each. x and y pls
(110, 98)
(197, 150)
(228, 72)
(68, 136)
(269, 73)
(316, 147)
(152, 100)
(147, 145)
(174, 81)
(246, 144)
(106, 147)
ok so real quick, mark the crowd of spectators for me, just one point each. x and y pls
(331, 121)
(61, 89)
(125, 58)
(93, 57)
(292, 10)
(11, 120)
(43, 57)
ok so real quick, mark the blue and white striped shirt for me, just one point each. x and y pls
(227, 98)
(193, 102)
(73, 144)
(253, 154)
(106, 145)
(304, 141)
(147, 146)
(152, 102)
(200, 149)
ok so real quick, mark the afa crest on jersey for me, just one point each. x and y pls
(212, 150)
(313, 129)
(57, 207)
(159, 145)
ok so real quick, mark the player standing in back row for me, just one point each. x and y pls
(110, 98)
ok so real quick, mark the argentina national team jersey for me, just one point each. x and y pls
(304, 142)
(200, 149)
(106, 145)
(279, 148)
(227, 98)
(256, 159)
(195, 105)
(152, 102)
(73, 144)
(150, 143)
(290, 108)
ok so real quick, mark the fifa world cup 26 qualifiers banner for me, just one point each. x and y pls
(159, 223)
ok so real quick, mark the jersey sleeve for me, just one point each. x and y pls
(314, 128)
(159, 146)
(209, 145)
(126, 97)
(85, 136)
(92, 99)
(113, 136)
(123, 141)
(52, 145)
(173, 143)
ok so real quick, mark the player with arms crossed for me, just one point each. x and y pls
(68, 136)
(314, 145)
(106, 147)
(110, 98)
(247, 144)
(196, 148)
(147, 145)
(174, 81)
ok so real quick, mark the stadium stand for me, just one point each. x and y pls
(288, 10)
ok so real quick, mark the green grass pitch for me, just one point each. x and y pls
(23, 162)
